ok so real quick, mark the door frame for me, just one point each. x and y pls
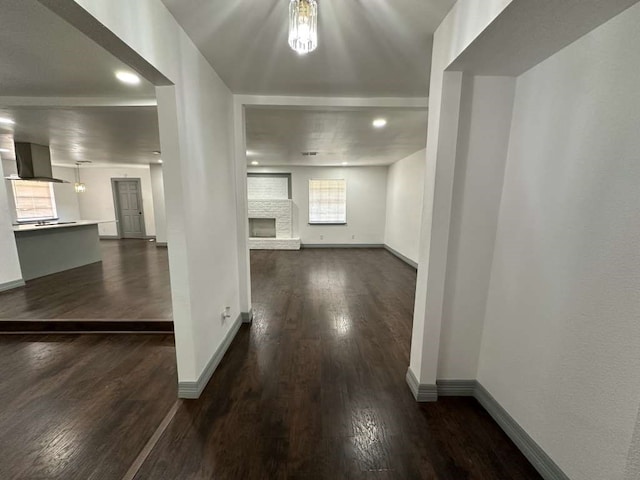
(116, 204)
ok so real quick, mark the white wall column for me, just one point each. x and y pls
(242, 211)
(196, 135)
(10, 273)
(427, 319)
(159, 213)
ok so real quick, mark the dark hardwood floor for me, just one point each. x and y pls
(315, 388)
(78, 407)
(131, 283)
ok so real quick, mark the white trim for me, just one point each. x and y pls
(421, 392)
(12, 284)
(341, 102)
(194, 389)
(65, 102)
(406, 260)
(542, 462)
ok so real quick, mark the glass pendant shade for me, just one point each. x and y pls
(303, 25)
(79, 186)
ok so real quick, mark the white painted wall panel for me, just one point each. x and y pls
(9, 263)
(485, 121)
(66, 196)
(561, 343)
(405, 190)
(159, 211)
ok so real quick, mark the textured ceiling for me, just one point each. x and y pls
(366, 47)
(42, 55)
(278, 136)
(101, 135)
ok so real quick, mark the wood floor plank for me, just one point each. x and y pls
(315, 387)
(131, 283)
(81, 406)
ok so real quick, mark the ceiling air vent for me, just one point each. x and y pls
(309, 154)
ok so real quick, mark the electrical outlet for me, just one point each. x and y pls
(353, 237)
(226, 313)
(321, 237)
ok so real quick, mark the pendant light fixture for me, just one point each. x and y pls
(79, 186)
(303, 25)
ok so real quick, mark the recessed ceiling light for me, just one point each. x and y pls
(380, 122)
(160, 161)
(255, 163)
(128, 78)
(156, 152)
(345, 163)
(6, 121)
(251, 153)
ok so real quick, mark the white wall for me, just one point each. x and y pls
(366, 204)
(561, 347)
(462, 25)
(65, 194)
(405, 191)
(9, 264)
(96, 203)
(196, 136)
(483, 139)
(9, 168)
(160, 216)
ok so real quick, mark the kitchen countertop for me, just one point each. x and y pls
(30, 227)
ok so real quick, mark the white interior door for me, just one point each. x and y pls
(130, 205)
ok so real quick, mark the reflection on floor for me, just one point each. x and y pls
(131, 283)
(81, 406)
(315, 387)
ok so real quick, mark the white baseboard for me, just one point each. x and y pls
(342, 245)
(421, 392)
(11, 285)
(406, 260)
(247, 317)
(542, 462)
(193, 390)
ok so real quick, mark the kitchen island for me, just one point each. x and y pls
(56, 246)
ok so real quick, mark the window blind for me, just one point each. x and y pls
(34, 200)
(327, 201)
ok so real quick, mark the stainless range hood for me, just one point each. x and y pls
(34, 163)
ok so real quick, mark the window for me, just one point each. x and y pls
(327, 201)
(34, 200)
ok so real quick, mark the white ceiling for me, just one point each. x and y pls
(45, 60)
(366, 47)
(526, 33)
(101, 134)
(42, 55)
(278, 136)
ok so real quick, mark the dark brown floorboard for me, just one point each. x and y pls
(81, 406)
(131, 283)
(315, 388)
